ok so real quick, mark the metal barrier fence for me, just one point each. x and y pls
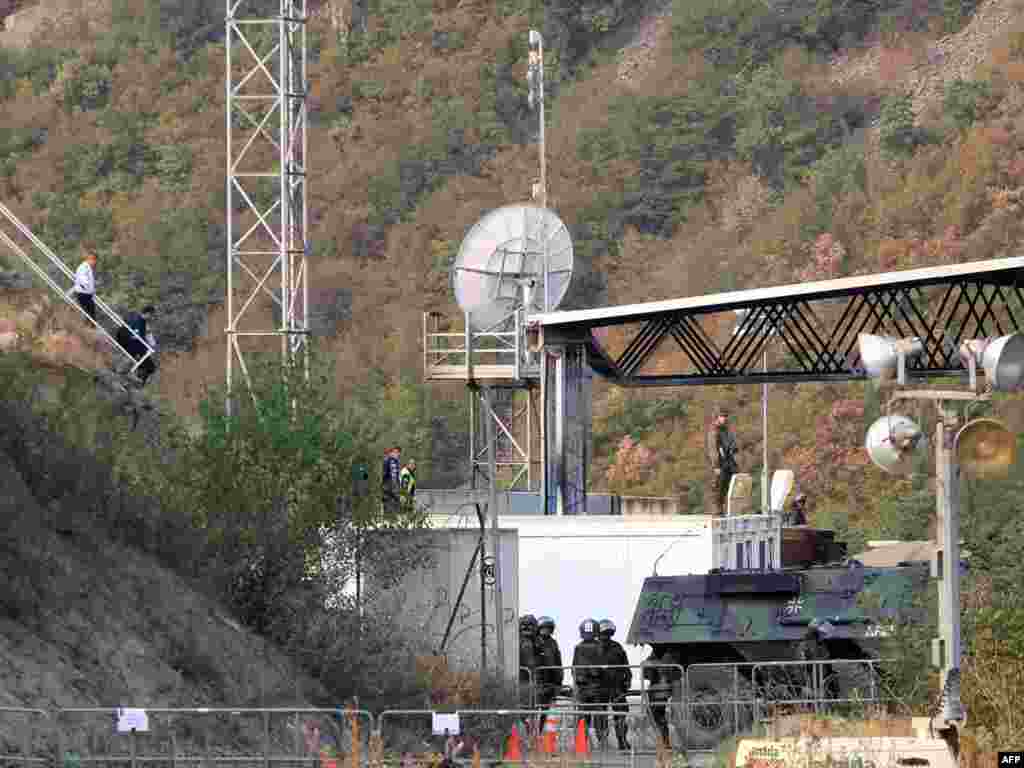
(417, 737)
(697, 707)
(527, 689)
(283, 738)
(33, 729)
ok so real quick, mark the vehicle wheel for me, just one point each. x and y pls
(718, 706)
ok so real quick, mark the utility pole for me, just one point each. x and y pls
(946, 649)
(499, 610)
(947, 473)
(764, 434)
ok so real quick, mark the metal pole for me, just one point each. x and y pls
(543, 167)
(228, 182)
(499, 611)
(483, 593)
(764, 434)
(948, 472)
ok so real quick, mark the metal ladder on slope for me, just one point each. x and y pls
(62, 268)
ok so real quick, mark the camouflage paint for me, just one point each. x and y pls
(773, 606)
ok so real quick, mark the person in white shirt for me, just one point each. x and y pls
(85, 286)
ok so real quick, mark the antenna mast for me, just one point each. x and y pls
(267, 218)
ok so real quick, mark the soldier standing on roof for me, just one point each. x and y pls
(616, 681)
(588, 681)
(720, 448)
(550, 673)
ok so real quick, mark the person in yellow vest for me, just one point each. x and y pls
(407, 483)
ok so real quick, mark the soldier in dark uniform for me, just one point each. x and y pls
(588, 681)
(720, 448)
(661, 684)
(528, 659)
(615, 681)
(812, 648)
(550, 673)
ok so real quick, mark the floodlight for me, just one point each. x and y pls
(881, 355)
(1002, 359)
(890, 443)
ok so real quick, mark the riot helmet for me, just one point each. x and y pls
(546, 625)
(527, 624)
(588, 629)
(606, 628)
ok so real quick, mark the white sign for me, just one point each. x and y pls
(446, 724)
(129, 720)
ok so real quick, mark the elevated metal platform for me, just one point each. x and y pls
(816, 324)
(493, 357)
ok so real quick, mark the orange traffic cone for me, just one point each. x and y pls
(582, 745)
(513, 750)
(549, 743)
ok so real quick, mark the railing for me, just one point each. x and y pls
(699, 706)
(66, 273)
(472, 354)
(707, 703)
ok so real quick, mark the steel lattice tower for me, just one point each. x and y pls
(267, 217)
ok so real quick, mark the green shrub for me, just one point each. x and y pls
(367, 89)
(839, 171)
(956, 13)
(402, 18)
(87, 87)
(67, 224)
(174, 166)
(897, 131)
(781, 130)
(965, 101)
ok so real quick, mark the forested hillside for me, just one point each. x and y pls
(693, 146)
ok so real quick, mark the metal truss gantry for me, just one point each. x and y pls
(516, 415)
(267, 217)
(817, 325)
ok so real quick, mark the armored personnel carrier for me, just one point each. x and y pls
(747, 617)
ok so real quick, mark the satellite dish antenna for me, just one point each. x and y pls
(891, 441)
(500, 264)
(986, 448)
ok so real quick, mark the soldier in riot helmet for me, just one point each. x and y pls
(812, 649)
(549, 662)
(528, 657)
(588, 681)
(661, 681)
(615, 681)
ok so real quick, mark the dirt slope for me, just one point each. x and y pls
(87, 624)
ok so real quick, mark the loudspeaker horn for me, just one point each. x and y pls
(890, 443)
(985, 448)
(1003, 361)
(880, 354)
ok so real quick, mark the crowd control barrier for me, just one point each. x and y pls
(419, 738)
(273, 738)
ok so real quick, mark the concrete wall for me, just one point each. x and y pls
(429, 598)
(574, 567)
